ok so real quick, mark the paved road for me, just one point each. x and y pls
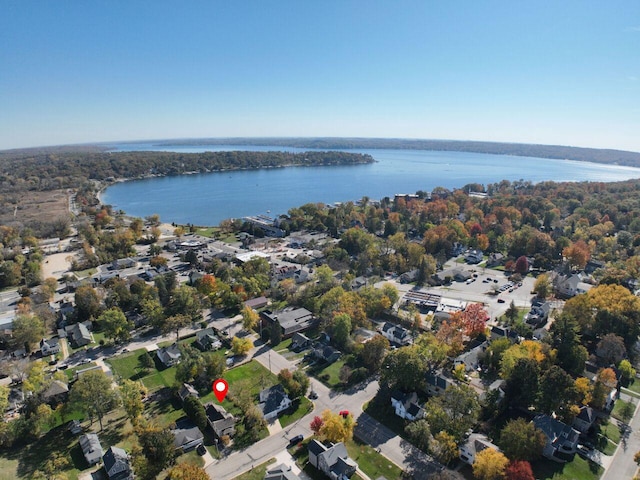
(623, 467)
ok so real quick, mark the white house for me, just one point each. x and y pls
(333, 461)
(396, 334)
(273, 401)
(476, 443)
(406, 405)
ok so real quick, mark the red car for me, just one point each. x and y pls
(344, 413)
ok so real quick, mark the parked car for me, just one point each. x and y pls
(296, 440)
(501, 300)
(344, 413)
(313, 395)
(201, 449)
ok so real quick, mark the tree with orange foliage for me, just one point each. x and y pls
(577, 254)
(474, 319)
(450, 333)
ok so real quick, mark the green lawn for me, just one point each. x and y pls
(128, 366)
(634, 388)
(371, 462)
(611, 431)
(302, 407)
(282, 346)
(71, 372)
(578, 469)
(329, 375)
(617, 409)
(22, 462)
(209, 232)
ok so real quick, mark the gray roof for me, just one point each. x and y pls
(281, 472)
(169, 354)
(91, 448)
(316, 447)
(116, 462)
(271, 398)
(221, 421)
(292, 320)
(183, 436)
(56, 388)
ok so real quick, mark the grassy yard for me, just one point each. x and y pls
(578, 469)
(618, 408)
(282, 346)
(633, 388)
(128, 366)
(302, 407)
(371, 462)
(330, 374)
(71, 372)
(22, 462)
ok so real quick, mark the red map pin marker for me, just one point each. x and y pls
(220, 389)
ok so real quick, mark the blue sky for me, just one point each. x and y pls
(535, 72)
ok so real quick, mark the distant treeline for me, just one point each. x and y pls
(619, 157)
(48, 171)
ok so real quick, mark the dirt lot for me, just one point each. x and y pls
(34, 206)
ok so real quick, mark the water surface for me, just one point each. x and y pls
(208, 198)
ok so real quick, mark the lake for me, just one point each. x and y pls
(206, 199)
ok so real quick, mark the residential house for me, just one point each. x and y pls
(333, 461)
(257, 303)
(568, 286)
(299, 342)
(585, 419)
(410, 276)
(77, 334)
(273, 401)
(396, 334)
(473, 256)
(91, 448)
(476, 443)
(206, 340)
(281, 472)
(562, 440)
(187, 438)
(495, 259)
(447, 276)
(470, 359)
(593, 265)
(187, 390)
(437, 383)
(406, 405)
(358, 282)
(539, 314)
(56, 393)
(50, 346)
(117, 464)
(284, 272)
(221, 422)
(170, 355)
(325, 353)
(74, 427)
(291, 320)
(123, 263)
(503, 332)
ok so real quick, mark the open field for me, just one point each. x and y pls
(34, 206)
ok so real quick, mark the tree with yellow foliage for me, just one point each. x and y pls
(336, 428)
(490, 464)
